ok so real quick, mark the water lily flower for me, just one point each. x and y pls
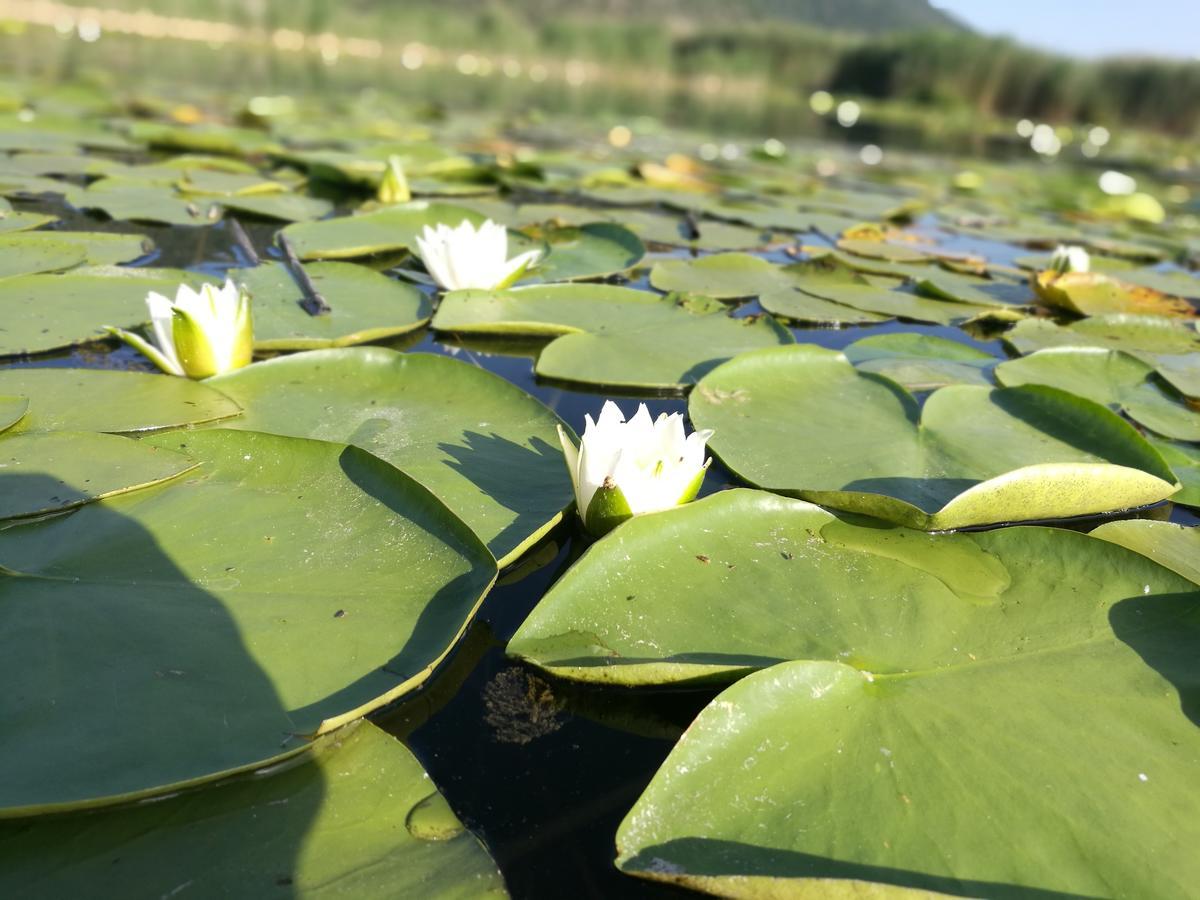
(463, 258)
(1069, 258)
(622, 469)
(394, 186)
(202, 333)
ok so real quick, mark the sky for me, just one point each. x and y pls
(1089, 28)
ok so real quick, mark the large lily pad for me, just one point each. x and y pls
(1116, 379)
(99, 400)
(1097, 294)
(201, 643)
(487, 449)
(745, 579)
(594, 250)
(1171, 347)
(1184, 460)
(295, 830)
(1172, 546)
(12, 410)
(392, 228)
(804, 422)
(611, 335)
(140, 201)
(722, 275)
(1046, 769)
(26, 254)
(50, 472)
(921, 362)
(39, 313)
(285, 207)
(365, 306)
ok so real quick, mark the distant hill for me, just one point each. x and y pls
(863, 16)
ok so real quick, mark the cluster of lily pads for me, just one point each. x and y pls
(206, 585)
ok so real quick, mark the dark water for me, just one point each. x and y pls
(542, 771)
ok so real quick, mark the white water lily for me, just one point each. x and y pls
(1070, 258)
(622, 469)
(202, 333)
(463, 258)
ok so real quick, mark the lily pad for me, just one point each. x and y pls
(1171, 347)
(921, 362)
(742, 580)
(822, 778)
(797, 306)
(115, 402)
(59, 470)
(389, 229)
(487, 449)
(215, 642)
(365, 306)
(804, 422)
(12, 410)
(1184, 460)
(1097, 294)
(103, 248)
(1115, 379)
(726, 276)
(595, 250)
(1172, 546)
(45, 312)
(611, 335)
(885, 250)
(314, 823)
(279, 206)
(945, 285)
(138, 201)
(14, 221)
(26, 254)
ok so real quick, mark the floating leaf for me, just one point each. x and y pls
(1172, 546)
(26, 254)
(612, 335)
(1171, 347)
(59, 470)
(744, 579)
(885, 250)
(1115, 379)
(293, 830)
(133, 200)
(595, 250)
(47, 312)
(722, 275)
(487, 449)
(1184, 460)
(12, 410)
(283, 207)
(944, 285)
(98, 400)
(822, 778)
(921, 362)
(388, 229)
(1097, 294)
(365, 306)
(210, 643)
(803, 421)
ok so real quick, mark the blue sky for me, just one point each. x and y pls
(1089, 27)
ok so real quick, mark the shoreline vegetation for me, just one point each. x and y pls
(942, 69)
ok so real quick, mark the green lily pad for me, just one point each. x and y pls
(103, 248)
(138, 201)
(388, 229)
(921, 362)
(12, 410)
(59, 470)
(1172, 546)
(13, 221)
(702, 234)
(726, 276)
(365, 306)
(26, 254)
(1097, 294)
(205, 138)
(1115, 379)
(821, 778)
(214, 643)
(484, 447)
(797, 306)
(804, 422)
(885, 250)
(595, 250)
(279, 206)
(116, 402)
(742, 580)
(612, 335)
(297, 830)
(1170, 346)
(941, 284)
(1184, 460)
(44, 312)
